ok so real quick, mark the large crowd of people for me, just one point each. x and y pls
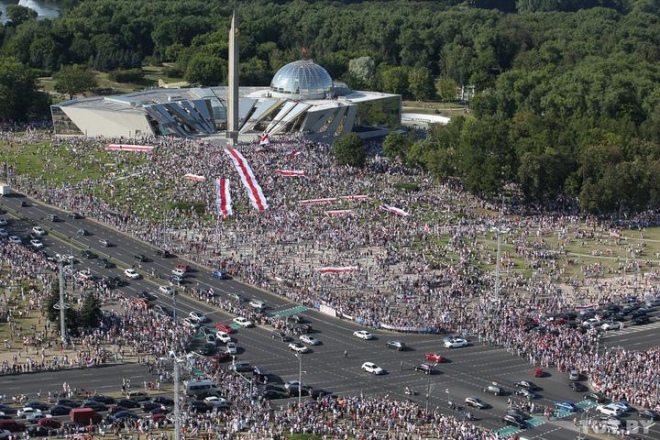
(417, 272)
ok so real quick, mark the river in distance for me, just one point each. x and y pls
(45, 9)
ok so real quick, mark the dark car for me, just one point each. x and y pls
(37, 431)
(206, 349)
(219, 275)
(526, 384)
(396, 345)
(141, 258)
(148, 405)
(163, 253)
(75, 215)
(280, 336)
(162, 400)
(641, 320)
(514, 421)
(649, 414)
(108, 400)
(37, 405)
(7, 409)
(24, 204)
(595, 397)
(54, 218)
(71, 403)
(577, 387)
(273, 394)
(197, 406)
(59, 410)
(517, 412)
(126, 415)
(295, 390)
(87, 254)
(425, 368)
(103, 262)
(296, 319)
(128, 403)
(95, 405)
(146, 295)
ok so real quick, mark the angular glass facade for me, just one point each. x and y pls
(302, 79)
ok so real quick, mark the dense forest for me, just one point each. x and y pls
(567, 92)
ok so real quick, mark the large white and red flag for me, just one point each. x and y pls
(292, 153)
(339, 212)
(250, 183)
(290, 173)
(194, 177)
(264, 139)
(223, 198)
(124, 147)
(317, 201)
(394, 210)
(332, 269)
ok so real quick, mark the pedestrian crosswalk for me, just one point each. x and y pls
(585, 404)
(534, 422)
(632, 329)
(506, 432)
(287, 312)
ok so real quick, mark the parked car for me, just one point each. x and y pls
(566, 406)
(243, 322)
(526, 393)
(309, 339)
(609, 410)
(573, 374)
(514, 421)
(526, 384)
(298, 347)
(594, 397)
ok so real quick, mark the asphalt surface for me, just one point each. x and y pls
(467, 372)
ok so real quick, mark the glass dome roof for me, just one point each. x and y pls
(302, 79)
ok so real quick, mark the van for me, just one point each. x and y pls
(241, 367)
(85, 416)
(201, 388)
(178, 272)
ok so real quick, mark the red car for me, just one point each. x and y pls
(159, 418)
(538, 372)
(435, 357)
(183, 267)
(50, 423)
(224, 327)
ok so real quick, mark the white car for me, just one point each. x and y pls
(3, 222)
(308, 339)
(609, 410)
(456, 343)
(39, 231)
(192, 324)
(243, 322)
(223, 337)
(199, 317)
(257, 304)
(231, 348)
(363, 334)
(217, 402)
(613, 325)
(591, 323)
(132, 274)
(15, 239)
(298, 347)
(167, 290)
(36, 243)
(26, 411)
(372, 368)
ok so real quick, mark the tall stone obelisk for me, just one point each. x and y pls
(232, 99)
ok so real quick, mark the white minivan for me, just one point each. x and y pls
(201, 388)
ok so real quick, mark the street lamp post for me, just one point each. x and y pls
(299, 378)
(428, 394)
(498, 267)
(177, 408)
(62, 305)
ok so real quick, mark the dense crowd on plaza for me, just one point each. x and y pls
(412, 273)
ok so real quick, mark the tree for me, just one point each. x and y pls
(350, 151)
(20, 98)
(205, 70)
(394, 80)
(420, 83)
(90, 312)
(446, 88)
(75, 79)
(362, 69)
(53, 314)
(396, 146)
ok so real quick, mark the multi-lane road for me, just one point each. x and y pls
(468, 371)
